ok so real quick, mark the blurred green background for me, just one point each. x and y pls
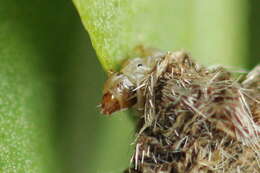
(51, 81)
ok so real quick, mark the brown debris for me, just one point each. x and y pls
(196, 119)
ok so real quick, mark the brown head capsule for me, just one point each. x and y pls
(117, 93)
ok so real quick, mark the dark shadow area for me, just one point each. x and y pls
(254, 31)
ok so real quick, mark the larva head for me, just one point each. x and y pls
(117, 94)
(120, 88)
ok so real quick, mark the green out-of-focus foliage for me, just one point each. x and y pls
(50, 86)
(253, 56)
(26, 93)
(51, 80)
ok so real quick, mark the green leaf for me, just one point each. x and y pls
(31, 37)
(116, 27)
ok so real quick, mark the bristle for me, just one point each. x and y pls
(196, 119)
